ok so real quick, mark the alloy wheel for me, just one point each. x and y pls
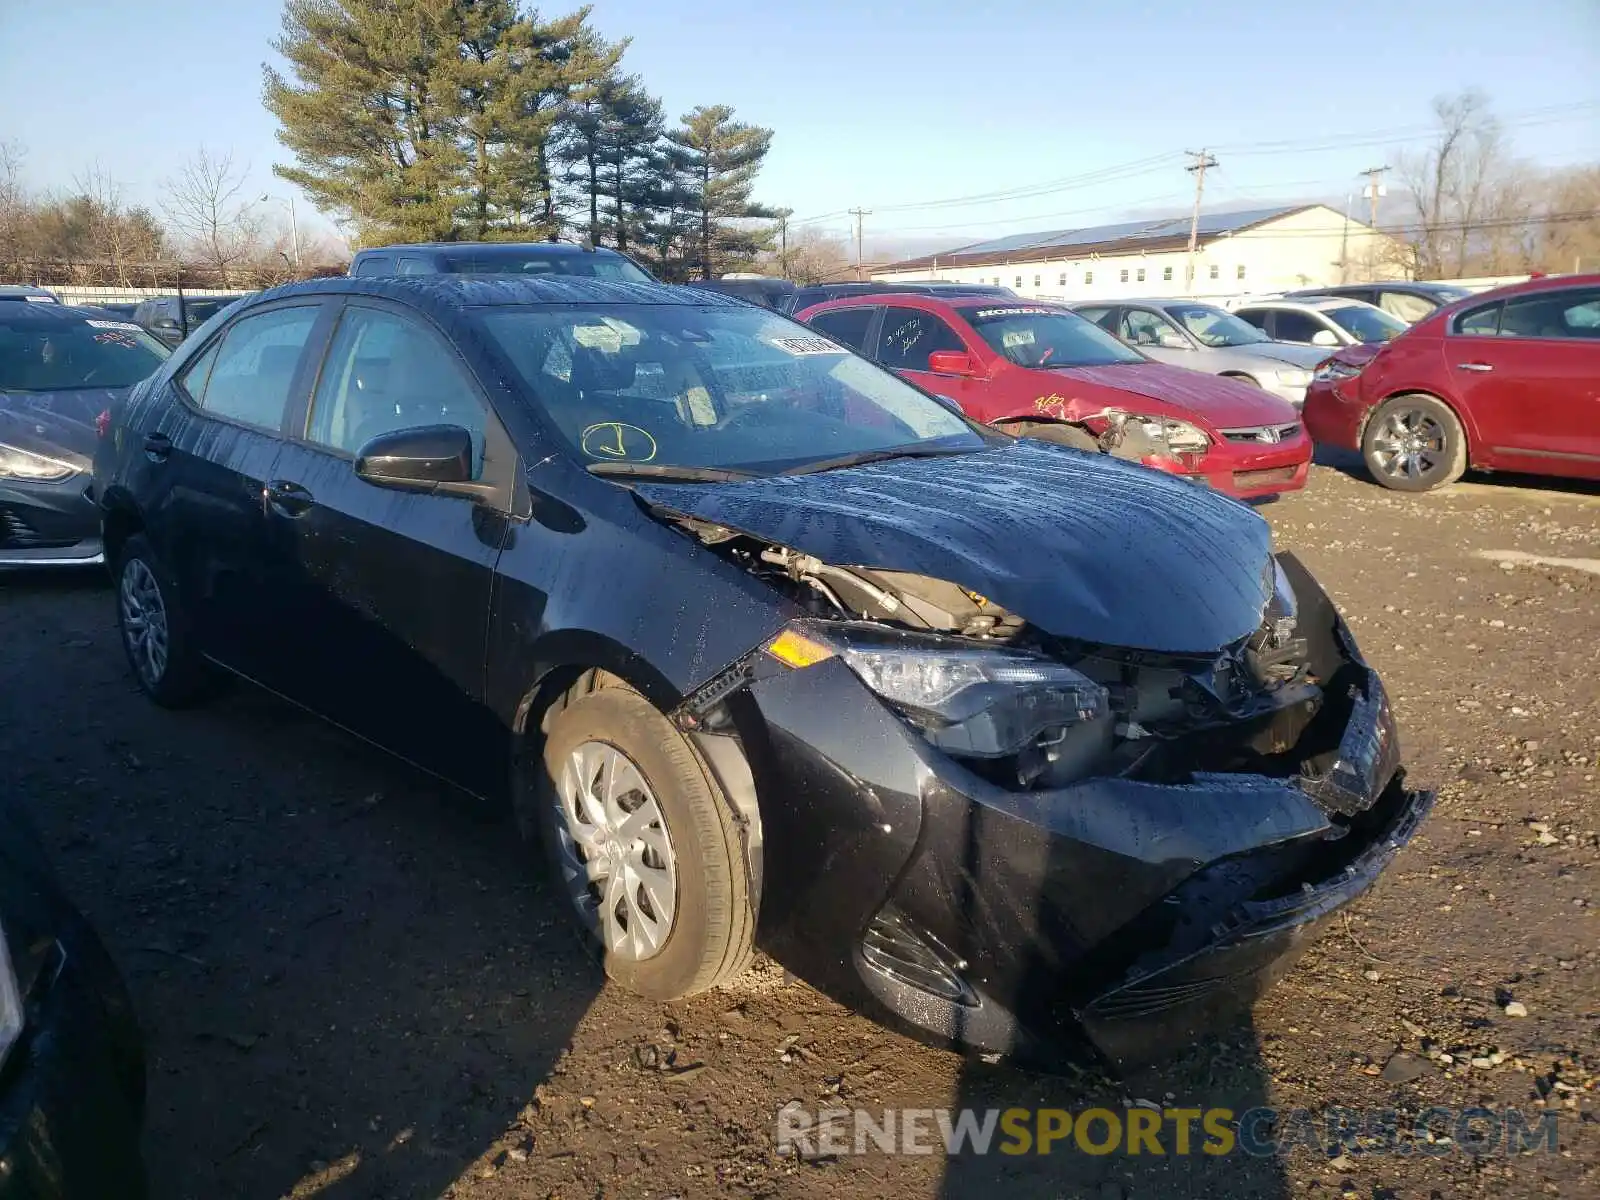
(1410, 444)
(615, 852)
(144, 621)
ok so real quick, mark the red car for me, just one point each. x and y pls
(1506, 380)
(1044, 371)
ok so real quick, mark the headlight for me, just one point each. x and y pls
(1167, 435)
(1333, 370)
(966, 700)
(25, 464)
(1294, 377)
(10, 1003)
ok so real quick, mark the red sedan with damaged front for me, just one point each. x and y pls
(1040, 370)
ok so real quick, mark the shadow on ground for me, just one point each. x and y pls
(1349, 462)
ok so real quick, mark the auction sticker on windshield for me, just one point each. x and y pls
(112, 325)
(806, 345)
(986, 313)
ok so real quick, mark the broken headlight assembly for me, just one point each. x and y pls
(1333, 371)
(969, 701)
(1164, 437)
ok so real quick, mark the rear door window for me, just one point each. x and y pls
(909, 335)
(1294, 326)
(1480, 322)
(847, 326)
(414, 266)
(250, 378)
(1558, 315)
(377, 264)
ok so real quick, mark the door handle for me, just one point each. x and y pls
(286, 498)
(157, 446)
(1475, 366)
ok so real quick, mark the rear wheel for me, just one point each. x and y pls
(644, 845)
(1414, 444)
(156, 632)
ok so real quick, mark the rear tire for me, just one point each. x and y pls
(644, 846)
(1414, 443)
(157, 635)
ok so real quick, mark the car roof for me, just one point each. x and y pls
(53, 314)
(551, 249)
(1310, 303)
(438, 293)
(21, 291)
(1543, 283)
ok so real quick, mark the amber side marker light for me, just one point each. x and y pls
(796, 650)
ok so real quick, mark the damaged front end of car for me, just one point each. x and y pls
(1010, 838)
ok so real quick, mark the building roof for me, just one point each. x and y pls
(1127, 237)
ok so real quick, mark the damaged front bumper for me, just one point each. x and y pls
(1136, 914)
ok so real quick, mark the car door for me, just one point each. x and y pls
(1155, 334)
(1528, 370)
(206, 460)
(392, 593)
(906, 338)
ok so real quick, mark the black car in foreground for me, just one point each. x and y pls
(1020, 740)
(71, 1055)
(60, 367)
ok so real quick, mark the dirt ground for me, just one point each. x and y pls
(357, 986)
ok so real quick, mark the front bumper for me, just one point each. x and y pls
(1335, 413)
(1138, 915)
(1247, 471)
(48, 524)
(72, 1090)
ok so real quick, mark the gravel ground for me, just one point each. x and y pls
(356, 985)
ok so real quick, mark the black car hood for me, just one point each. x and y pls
(1080, 545)
(57, 424)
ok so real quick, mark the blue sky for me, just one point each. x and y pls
(890, 106)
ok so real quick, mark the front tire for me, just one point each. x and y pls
(644, 846)
(156, 632)
(1414, 443)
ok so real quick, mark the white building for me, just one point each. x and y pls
(1236, 253)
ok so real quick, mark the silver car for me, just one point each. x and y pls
(1203, 337)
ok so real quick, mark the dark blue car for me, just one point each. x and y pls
(1008, 739)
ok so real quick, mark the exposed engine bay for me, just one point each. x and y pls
(1139, 715)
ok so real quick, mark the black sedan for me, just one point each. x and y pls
(60, 368)
(1018, 740)
(71, 1056)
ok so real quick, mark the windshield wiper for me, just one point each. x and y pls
(868, 456)
(666, 471)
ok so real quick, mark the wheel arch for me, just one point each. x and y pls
(120, 519)
(562, 659)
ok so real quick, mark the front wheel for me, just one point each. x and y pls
(156, 633)
(644, 845)
(1414, 444)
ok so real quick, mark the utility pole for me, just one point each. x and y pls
(858, 214)
(1374, 189)
(783, 243)
(1201, 161)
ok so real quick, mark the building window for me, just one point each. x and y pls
(1241, 270)
(1166, 273)
(1019, 280)
(1063, 279)
(1124, 274)
(1215, 270)
(1141, 274)
(1088, 277)
(1036, 281)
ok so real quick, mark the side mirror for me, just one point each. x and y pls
(1168, 340)
(420, 457)
(953, 405)
(1324, 337)
(952, 362)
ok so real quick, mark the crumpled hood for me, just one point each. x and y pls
(1080, 545)
(1222, 403)
(57, 424)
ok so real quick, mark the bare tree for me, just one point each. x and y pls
(1470, 196)
(812, 257)
(15, 207)
(204, 207)
(121, 239)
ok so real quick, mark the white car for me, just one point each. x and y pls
(1331, 322)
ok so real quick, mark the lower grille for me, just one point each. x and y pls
(1272, 475)
(16, 533)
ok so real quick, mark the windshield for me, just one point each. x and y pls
(1036, 336)
(60, 356)
(1216, 328)
(669, 385)
(1365, 323)
(503, 262)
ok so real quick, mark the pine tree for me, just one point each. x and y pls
(718, 159)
